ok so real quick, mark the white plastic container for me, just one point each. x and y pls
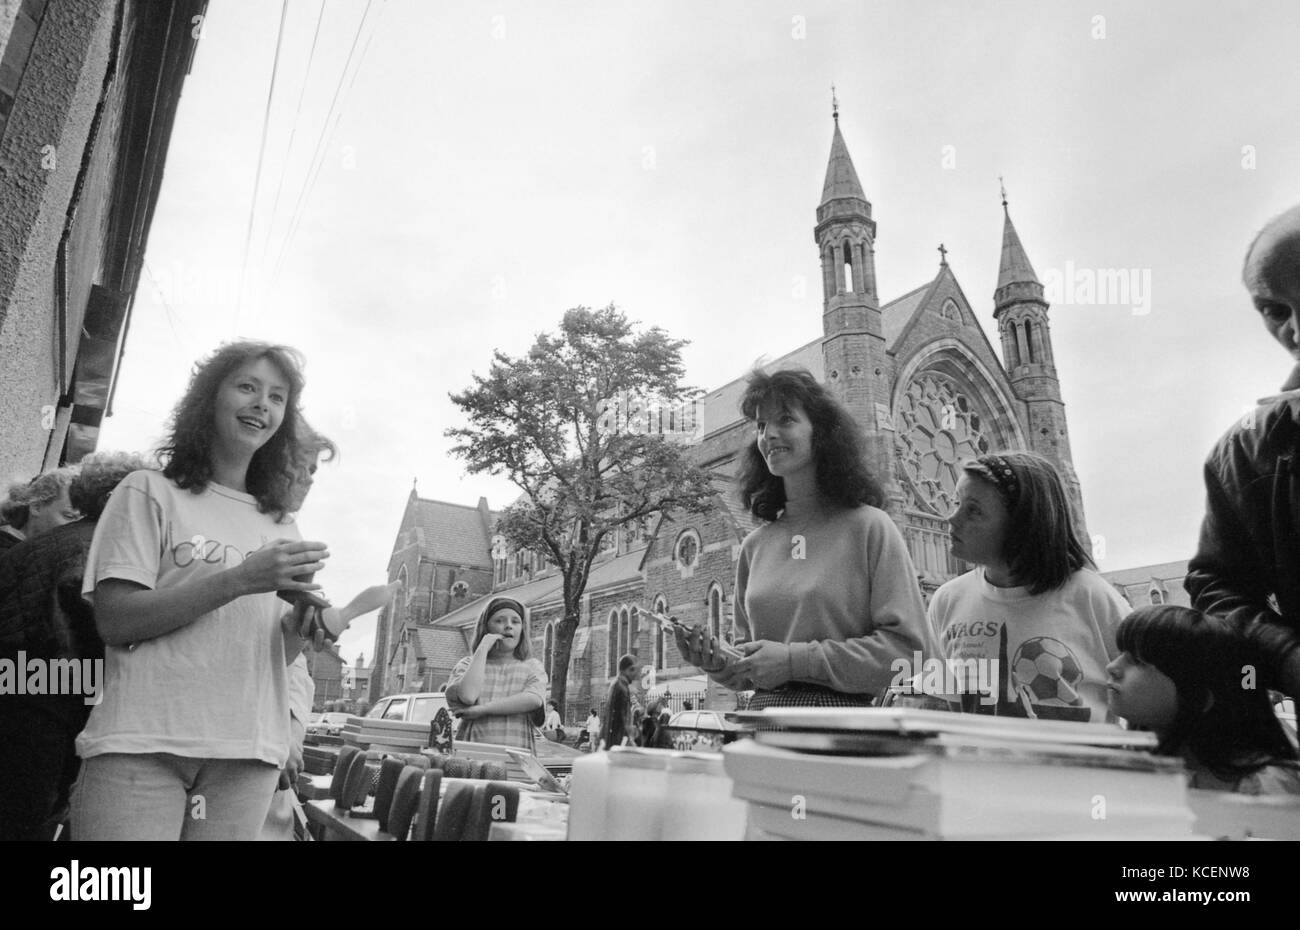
(588, 789)
(699, 804)
(637, 794)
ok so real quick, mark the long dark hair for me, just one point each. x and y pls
(1208, 661)
(1042, 548)
(843, 475)
(186, 453)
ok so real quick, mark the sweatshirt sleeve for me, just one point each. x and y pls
(743, 631)
(895, 618)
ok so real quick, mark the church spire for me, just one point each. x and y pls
(841, 179)
(1015, 267)
(1020, 307)
(858, 368)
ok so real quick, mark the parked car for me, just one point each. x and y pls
(327, 724)
(419, 707)
(705, 730)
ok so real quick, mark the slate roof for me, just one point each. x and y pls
(896, 314)
(453, 533)
(543, 591)
(529, 593)
(722, 406)
(439, 648)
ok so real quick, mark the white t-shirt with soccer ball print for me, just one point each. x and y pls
(1051, 649)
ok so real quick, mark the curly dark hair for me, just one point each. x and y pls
(100, 473)
(15, 510)
(1042, 548)
(186, 453)
(843, 475)
(1220, 722)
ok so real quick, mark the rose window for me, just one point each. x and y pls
(936, 428)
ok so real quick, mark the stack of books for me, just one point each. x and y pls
(902, 773)
(387, 735)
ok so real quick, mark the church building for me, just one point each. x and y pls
(917, 372)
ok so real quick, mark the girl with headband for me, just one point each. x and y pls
(1032, 620)
(497, 688)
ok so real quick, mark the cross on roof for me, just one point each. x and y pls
(943, 255)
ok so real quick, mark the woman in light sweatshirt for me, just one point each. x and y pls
(827, 598)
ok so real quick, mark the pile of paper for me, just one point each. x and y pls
(891, 773)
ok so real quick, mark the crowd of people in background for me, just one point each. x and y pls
(188, 578)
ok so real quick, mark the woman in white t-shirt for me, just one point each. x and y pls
(192, 731)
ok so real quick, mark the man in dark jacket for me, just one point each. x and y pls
(1247, 565)
(618, 709)
(45, 624)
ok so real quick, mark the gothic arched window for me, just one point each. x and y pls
(660, 638)
(548, 648)
(611, 641)
(623, 631)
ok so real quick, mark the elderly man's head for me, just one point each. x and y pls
(1272, 276)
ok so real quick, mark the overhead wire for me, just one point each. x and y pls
(167, 308)
(326, 134)
(293, 131)
(261, 154)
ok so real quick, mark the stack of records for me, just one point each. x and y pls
(902, 773)
(318, 761)
(391, 735)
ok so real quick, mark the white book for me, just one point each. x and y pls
(910, 721)
(954, 795)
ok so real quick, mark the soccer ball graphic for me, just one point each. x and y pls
(1050, 671)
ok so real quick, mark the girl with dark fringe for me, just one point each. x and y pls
(1194, 681)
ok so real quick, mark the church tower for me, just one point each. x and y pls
(1021, 313)
(858, 371)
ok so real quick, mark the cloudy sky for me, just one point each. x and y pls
(486, 166)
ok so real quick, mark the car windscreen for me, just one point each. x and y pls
(426, 707)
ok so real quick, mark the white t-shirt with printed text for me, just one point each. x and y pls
(217, 687)
(1056, 644)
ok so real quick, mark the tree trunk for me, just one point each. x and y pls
(559, 669)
